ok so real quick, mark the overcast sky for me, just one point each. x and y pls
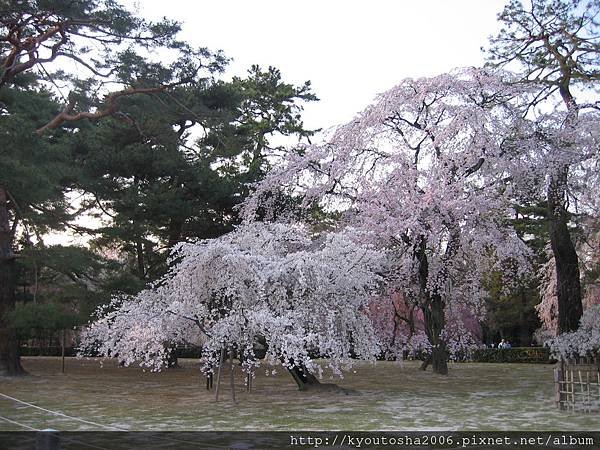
(350, 50)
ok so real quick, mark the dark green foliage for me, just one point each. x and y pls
(269, 106)
(72, 278)
(76, 263)
(44, 317)
(34, 170)
(111, 47)
(531, 223)
(512, 315)
(179, 165)
(35, 174)
(101, 36)
(510, 312)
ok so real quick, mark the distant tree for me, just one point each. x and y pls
(399, 325)
(511, 313)
(73, 278)
(554, 46)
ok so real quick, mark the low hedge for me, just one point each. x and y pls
(45, 351)
(533, 355)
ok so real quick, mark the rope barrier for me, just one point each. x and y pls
(63, 415)
(169, 439)
(19, 424)
(62, 437)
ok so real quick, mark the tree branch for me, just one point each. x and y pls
(67, 115)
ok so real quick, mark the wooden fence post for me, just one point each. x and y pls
(558, 382)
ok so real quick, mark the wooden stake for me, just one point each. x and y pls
(563, 375)
(231, 378)
(581, 388)
(589, 398)
(62, 351)
(572, 390)
(219, 374)
(557, 383)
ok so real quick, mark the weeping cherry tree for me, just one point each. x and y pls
(426, 170)
(263, 283)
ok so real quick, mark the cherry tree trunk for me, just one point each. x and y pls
(434, 324)
(303, 378)
(432, 306)
(568, 288)
(10, 364)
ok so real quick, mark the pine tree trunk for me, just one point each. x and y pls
(141, 264)
(175, 231)
(10, 363)
(568, 286)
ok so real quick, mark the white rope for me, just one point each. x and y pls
(19, 424)
(61, 414)
(85, 421)
(62, 437)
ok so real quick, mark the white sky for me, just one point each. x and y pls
(350, 50)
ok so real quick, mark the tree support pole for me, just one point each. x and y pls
(62, 350)
(231, 376)
(219, 375)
